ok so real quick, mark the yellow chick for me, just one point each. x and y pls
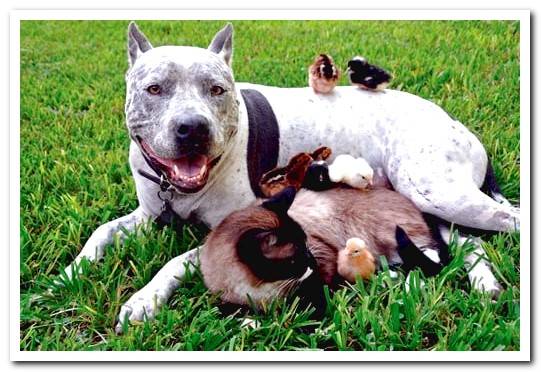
(355, 172)
(323, 74)
(356, 261)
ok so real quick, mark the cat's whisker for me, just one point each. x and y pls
(286, 286)
(306, 274)
(293, 285)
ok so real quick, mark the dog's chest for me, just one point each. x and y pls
(227, 191)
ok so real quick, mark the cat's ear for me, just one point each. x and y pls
(250, 251)
(281, 202)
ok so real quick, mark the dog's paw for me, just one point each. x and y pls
(483, 280)
(413, 282)
(142, 306)
(491, 287)
(70, 272)
(516, 219)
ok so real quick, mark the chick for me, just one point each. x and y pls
(367, 76)
(323, 74)
(356, 261)
(293, 174)
(355, 172)
(317, 177)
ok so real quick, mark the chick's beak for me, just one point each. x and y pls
(370, 180)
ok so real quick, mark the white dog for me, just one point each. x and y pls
(200, 142)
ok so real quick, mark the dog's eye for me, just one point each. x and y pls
(216, 90)
(154, 89)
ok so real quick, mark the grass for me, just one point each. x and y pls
(75, 176)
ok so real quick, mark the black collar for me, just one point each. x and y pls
(263, 137)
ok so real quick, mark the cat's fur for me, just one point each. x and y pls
(241, 254)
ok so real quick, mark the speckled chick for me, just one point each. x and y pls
(356, 261)
(323, 74)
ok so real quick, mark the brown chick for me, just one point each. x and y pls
(356, 261)
(293, 174)
(323, 74)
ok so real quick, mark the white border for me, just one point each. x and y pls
(228, 14)
(15, 188)
(525, 180)
(270, 14)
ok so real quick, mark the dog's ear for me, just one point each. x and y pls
(222, 43)
(137, 43)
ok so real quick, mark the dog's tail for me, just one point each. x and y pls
(490, 186)
(412, 257)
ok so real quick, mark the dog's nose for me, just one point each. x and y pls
(196, 126)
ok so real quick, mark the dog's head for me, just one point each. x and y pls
(181, 105)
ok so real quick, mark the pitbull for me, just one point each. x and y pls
(199, 141)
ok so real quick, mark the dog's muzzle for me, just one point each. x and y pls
(189, 172)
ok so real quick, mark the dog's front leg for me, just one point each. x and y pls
(146, 302)
(104, 235)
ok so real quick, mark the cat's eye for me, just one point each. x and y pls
(154, 89)
(272, 239)
(216, 90)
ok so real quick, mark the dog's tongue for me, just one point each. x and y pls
(187, 166)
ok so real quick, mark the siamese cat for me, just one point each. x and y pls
(290, 242)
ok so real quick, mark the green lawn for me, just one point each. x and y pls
(75, 176)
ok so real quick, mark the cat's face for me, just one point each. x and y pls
(280, 252)
(260, 253)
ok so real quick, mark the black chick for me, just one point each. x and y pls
(367, 76)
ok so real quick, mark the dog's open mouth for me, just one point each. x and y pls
(188, 173)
